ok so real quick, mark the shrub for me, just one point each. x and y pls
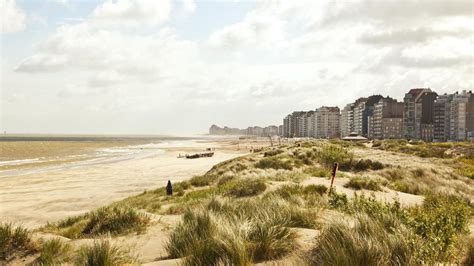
(245, 187)
(54, 252)
(469, 254)
(418, 172)
(394, 174)
(289, 176)
(338, 200)
(331, 154)
(14, 240)
(317, 171)
(203, 180)
(406, 187)
(319, 189)
(366, 243)
(274, 163)
(107, 220)
(441, 220)
(358, 183)
(272, 153)
(102, 252)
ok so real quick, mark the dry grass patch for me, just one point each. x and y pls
(15, 241)
(107, 220)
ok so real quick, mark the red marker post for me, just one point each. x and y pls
(333, 175)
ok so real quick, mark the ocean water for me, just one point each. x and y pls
(150, 146)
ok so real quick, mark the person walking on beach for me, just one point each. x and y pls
(169, 189)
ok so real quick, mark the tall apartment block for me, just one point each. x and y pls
(418, 114)
(363, 108)
(347, 120)
(454, 116)
(386, 122)
(327, 122)
(293, 124)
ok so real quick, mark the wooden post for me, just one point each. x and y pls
(333, 175)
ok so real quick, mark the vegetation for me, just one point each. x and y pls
(358, 183)
(245, 187)
(275, 163)
(102, 252)
(112, 220)
(213, 235)
(366, 243)
(54, 252)
(14, 241)
(248, 210)
(203, 180)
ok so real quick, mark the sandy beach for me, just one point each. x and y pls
(41, 194)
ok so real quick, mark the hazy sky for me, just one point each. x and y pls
(171, 67)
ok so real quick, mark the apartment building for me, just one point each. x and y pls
(293, 125)
(386, 121)
(327, 122)
(364, 108)
(347, 120)
(418, 114)
(453, 116)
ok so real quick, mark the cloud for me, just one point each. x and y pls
(408, 36)
(395, 11)
(279, 57)
(132, 12)
(12, 17)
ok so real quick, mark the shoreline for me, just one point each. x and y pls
(46, 195)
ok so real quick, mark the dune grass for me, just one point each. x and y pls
(54, 252)
(103, 253)
(275, 163)
(366, 243)
(15, 241)
(244, 187)
(237, 232)
(112, 220)
(359, 183)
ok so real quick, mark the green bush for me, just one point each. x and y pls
(441, 220)
(358, 183)
(14, 240)
(331, 154)
(338, 200)
(275, 163)
(245, 187)
(54, 252)
(103, 253)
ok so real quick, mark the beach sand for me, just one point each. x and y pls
(46, 194)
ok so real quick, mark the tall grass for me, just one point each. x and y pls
(244, 187)
(54, 252)
(366, 243)
(14, 241)
(358, 183)
(112, 220)
(103, 253)
(232, 233)
(275, 162)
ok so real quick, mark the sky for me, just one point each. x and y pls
(176, 67)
